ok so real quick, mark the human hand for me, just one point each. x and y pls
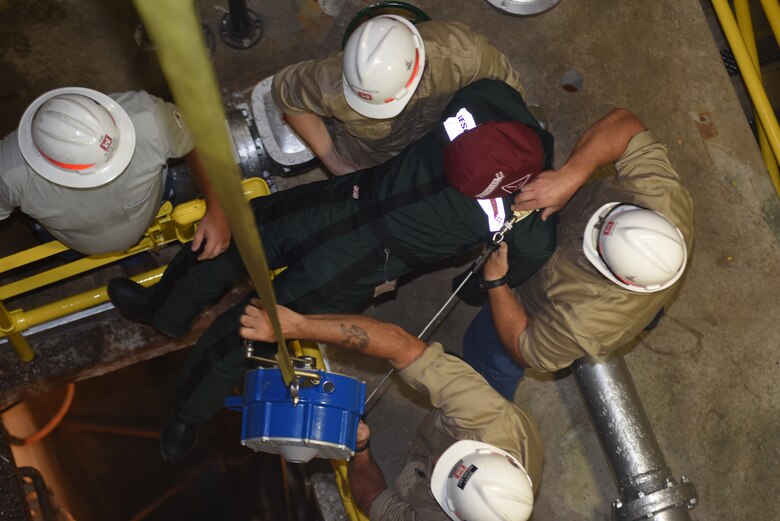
(213, 233)
(497, 265)
(550, 190)
(256, 325)
(363, 435)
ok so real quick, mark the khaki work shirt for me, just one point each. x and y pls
(577, 311)
(455, 57)
(107, 218)
(466, 407)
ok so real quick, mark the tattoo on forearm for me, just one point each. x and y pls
(355, 337)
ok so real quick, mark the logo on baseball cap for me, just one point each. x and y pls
(493, 160)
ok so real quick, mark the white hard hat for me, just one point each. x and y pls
(475, 481)
(634, 247)
(76, 137)
(383, 64)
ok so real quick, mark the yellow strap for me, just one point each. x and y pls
(176, 32)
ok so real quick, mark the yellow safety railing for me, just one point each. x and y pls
(170, 225)
(739, 33)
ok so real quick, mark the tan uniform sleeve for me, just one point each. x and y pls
(495, 65)
(472, 409)
(307, 87)
(475, 56)
(388, 506)
(177, 136)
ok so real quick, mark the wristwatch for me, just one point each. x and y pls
(490, 284)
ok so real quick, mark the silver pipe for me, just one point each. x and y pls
(646, 485)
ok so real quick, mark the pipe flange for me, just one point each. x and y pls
(674, 496)
(246, 141)
(250, 35)
(523, 7)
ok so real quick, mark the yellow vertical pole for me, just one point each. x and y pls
(745, 24)
(8, 327)
(176, 32)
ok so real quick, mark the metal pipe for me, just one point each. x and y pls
(71, 305)
(239, 18)
(745, 24)
(772, 12)
(646, 485)
(749, 74)
(8, 327)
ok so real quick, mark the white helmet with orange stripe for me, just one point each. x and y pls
(383, 65)
(76, 137)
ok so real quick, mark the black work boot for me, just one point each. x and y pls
(177, 439)
(129, 298)
(133, 301)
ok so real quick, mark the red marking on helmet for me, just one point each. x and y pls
(66, 166)
(365, 95)
(106, 142)
(459, 472)
(415, 69)
(608, 228)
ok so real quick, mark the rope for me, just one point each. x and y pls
(491, 246)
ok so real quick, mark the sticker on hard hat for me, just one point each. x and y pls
(608, 228)
(365, 95)
(467, 476)
(106, 143)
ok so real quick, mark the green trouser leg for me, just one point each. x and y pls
(213, 368)
(189, 285)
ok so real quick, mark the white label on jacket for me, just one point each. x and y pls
(457, 125)
(494, 209)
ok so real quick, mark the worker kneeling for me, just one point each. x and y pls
(475, 456)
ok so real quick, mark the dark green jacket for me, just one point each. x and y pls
(340, 238)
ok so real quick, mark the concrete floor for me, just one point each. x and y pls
(708, 375)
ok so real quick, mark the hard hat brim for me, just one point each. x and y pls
(392, 108)
(447, 460)
(379, 110)
(590, 248)
(79, 179)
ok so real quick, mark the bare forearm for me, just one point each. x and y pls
(311, 129)
(604, 141)
(509, 318)
(359, 333)
(366, 480)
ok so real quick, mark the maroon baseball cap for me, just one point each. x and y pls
(493, 160)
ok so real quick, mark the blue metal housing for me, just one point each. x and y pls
(322, 424)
